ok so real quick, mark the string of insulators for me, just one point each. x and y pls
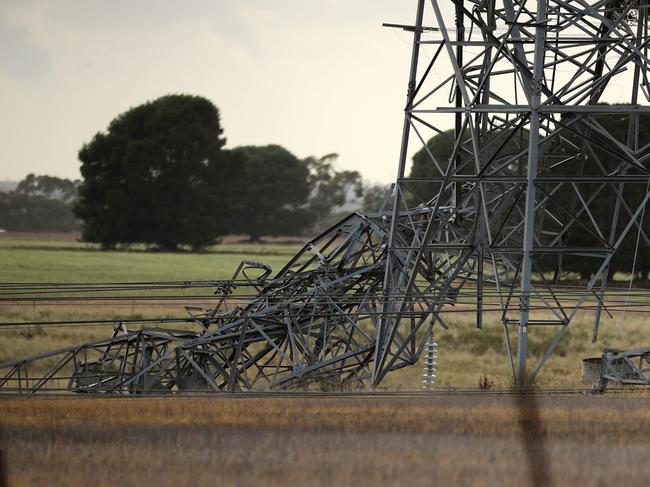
(430, 364)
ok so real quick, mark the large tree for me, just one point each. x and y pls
(602, 206)
(441, 147)
(270, 193)
(155, 176)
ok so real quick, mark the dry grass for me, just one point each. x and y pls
(23, 342)
(465, 353)
(426, 440)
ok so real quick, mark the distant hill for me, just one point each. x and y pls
(7, 186)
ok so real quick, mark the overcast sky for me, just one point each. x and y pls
(316, 76)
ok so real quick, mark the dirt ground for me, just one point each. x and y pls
(410, 440)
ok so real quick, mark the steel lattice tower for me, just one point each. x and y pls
(523, 84)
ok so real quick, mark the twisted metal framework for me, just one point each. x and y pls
(315, 321)
(625, 367)
(530, 160)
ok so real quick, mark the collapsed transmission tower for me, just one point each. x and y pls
(523, 84)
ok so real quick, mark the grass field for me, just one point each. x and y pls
(481, 438)
(465, 353)
(349, 441)
(29, 259)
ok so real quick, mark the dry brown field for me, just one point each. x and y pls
(464, 439)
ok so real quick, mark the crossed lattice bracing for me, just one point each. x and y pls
(523, 84)
(314, 321)
(533, 174)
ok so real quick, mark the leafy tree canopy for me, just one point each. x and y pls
(270, 192)
(49, 186)
(375, 196)
(155, 176)
(441, 147)
(330, 190)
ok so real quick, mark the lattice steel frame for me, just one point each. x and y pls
(516, 148)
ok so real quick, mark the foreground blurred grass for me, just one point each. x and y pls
(425, 440)
(465, 353)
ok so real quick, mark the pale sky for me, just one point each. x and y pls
(316, 76)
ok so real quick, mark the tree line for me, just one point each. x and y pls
(40, 204)
(160, 175)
